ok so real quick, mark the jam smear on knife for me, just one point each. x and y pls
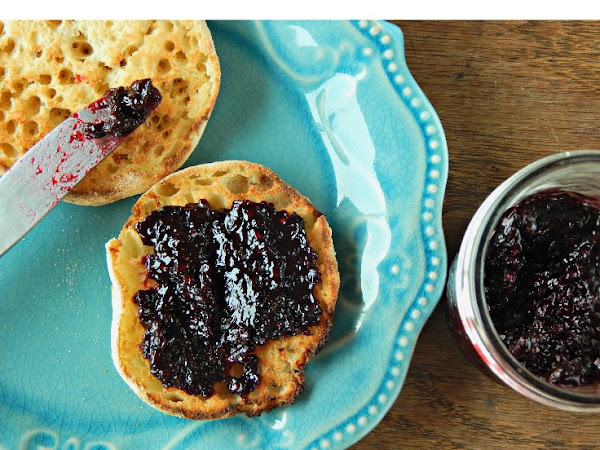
(123, 109)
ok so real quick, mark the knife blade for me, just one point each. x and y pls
(54, 165)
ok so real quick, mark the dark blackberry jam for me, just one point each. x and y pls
(123, 109)
(542, 282)
(226, 281)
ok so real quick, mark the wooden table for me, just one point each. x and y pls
(507, 93)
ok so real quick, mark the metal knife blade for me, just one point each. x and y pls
(51, 168)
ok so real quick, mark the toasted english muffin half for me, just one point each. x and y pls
(282, 361)
(51, 69)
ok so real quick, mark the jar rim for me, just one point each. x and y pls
(470, 296)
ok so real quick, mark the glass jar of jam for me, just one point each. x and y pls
(521, 324)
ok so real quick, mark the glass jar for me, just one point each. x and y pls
(468, 314)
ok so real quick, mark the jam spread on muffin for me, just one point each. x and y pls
(542, 283)
(224, 281)
(121, 110)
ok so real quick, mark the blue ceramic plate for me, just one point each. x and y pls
(333, 109)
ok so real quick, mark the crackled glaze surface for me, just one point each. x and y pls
(332, 108)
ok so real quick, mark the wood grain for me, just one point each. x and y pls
(507, 93)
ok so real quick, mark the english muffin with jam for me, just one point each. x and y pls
(224, 283)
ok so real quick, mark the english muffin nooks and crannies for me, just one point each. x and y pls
(224, 283)
(51, 69)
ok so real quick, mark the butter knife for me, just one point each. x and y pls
(55, 164)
